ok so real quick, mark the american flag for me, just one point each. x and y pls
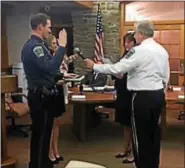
(98, 52)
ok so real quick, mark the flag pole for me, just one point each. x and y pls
(99, 38)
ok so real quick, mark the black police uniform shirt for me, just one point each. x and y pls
(39, 65)
(147, 66)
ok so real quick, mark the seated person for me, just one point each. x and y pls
(95, 79)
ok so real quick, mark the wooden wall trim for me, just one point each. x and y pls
(169, 22)
(156, 27)
(88, 4)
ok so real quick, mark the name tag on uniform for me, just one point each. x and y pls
(38, 50)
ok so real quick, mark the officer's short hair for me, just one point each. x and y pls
(39, 18)
(146, 28)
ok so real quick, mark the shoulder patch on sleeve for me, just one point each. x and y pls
(38, 51)
(130, 53)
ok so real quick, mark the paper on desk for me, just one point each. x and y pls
(109, 87)
(176, 88)
(78, 96)
(181, 96)
(85, 89)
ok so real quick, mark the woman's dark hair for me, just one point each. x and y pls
(129, 37)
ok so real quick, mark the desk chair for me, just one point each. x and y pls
(110, 112)
(181, 115)
(15, 109)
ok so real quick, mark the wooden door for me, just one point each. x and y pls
(170, 36)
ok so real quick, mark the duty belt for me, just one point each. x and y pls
(45, 91)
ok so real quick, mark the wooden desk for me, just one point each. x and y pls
(171, 98)
(8, 84)
(82, 110)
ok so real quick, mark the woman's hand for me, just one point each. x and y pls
(60, 82)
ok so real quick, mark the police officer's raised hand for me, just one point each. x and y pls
(62, 40)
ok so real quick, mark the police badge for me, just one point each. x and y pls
(38, 50)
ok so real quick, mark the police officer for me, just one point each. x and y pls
(40, 68)
(148, 72)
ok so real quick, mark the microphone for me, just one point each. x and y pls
(78, 52)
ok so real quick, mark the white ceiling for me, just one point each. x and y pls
(155, 11)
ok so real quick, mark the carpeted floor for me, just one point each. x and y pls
(103, 143)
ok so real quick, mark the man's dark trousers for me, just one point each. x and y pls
(42, 122)
(147, 107)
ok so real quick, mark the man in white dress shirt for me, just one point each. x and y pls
(148, 74)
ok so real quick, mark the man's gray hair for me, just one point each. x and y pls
(146, 28)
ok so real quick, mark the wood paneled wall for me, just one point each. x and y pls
(170, 34)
